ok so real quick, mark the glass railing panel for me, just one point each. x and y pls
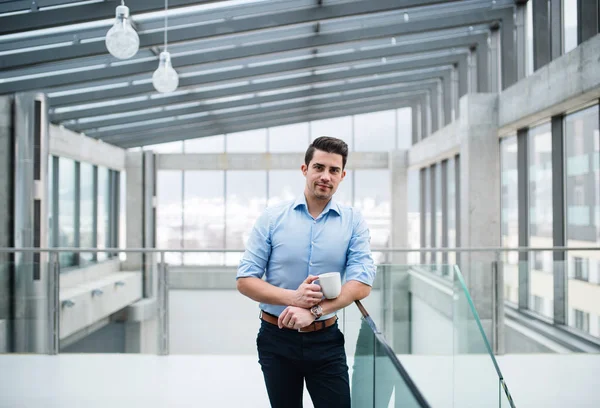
(476, 372)
(392, 387)
(360, 352)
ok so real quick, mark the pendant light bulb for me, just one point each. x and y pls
(165, 78)
(121, 40)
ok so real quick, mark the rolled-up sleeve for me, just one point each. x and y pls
(258, 249)
(359, 262)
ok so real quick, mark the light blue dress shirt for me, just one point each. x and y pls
(288, 244)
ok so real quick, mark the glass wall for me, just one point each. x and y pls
(540, 220)
(84, 210)
(217, 209)
(414, 215)
(569, 24)
(169, 217)
(510, 216)
(451, 209)
(426, 174)
(372, 196)
(246, 199)
(438, 213)
(582, 191)
(66, 210)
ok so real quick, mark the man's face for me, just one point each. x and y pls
(323, 174)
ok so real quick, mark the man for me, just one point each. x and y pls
(292, 243)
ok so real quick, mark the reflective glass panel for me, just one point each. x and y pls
(204, 216)
(66, 209)
(336, 127)
(540, 220)
(86, 210)
(251, 141)
(169, 217)
(372, 197)
(289, 138)
(510, 216)
(582, 140)
(103, 211)
(246, 200)
(210, 144)
(375, 131)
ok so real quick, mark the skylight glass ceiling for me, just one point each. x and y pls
(236, 57)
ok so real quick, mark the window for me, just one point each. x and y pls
(537, 304)
(529, 40)
(169, 217)
(582, 320)
(375, 131)
(373, 198)
(336, 127)
(582, 196)
(170, 147)
(211, 144)
(86, 211)
(289, 138)
(245, 201)
(103, 218)
(251, 141)
(451, 209)
(414, 215)
(581, 266)
(569, 25)
(66, 210)
(540, 212)
(404, 131)
(204, 216)
(285, 185)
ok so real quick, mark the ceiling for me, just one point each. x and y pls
(242, 64)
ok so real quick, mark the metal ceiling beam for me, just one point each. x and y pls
(391, 83)
(83, 13)
(225, 92)
(140, 67)
(12, 6)
(259, 123)
(228, 27)
(334, 100)
(258, 71)
(389, 67)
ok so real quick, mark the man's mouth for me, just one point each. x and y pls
(323, 186)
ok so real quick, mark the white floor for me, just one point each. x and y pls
(126, 381)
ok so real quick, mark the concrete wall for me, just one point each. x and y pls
(6, 199)
(563, 84)
(66, 143)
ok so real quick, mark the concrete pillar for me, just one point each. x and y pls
(396, 279)
(141, 327)
(135, 212)
(495, 73)
(479, 196)
(416, 123)
(141, 214)
(6, 233)
(471, 85)
(482, 68)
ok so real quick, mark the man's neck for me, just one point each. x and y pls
(315, 205)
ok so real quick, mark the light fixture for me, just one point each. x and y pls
(165, 78)
(121, 40)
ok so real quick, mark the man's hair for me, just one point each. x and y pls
(329, 145)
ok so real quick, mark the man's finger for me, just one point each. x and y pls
(311, 279)
(314, 295)
(313, 287)
(281, 317)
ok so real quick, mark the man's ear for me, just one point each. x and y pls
(304, 169)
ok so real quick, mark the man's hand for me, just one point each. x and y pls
(295, 318)
(308, 293)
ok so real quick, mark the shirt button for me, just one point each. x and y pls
(312, 243)
(310, 263)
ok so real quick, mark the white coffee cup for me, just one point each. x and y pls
(331, 284)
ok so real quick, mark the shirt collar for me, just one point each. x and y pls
(331, 205)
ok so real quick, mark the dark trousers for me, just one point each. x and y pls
(288, 358)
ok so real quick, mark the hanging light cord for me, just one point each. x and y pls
(166, 22)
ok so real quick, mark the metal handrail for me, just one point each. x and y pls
(237, 250)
